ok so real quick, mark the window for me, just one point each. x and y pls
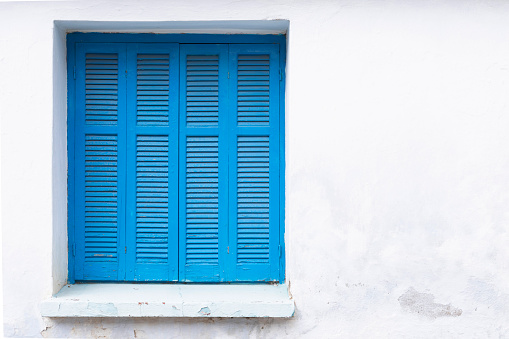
(176, 157)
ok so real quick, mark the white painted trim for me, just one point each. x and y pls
(278, 26)
(165, 300)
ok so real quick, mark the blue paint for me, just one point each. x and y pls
(178, 38)
(99, 154)
(282, 157)
(176, 157)
(203, 163)
(152, 177)
(71, 244)
(254, 162)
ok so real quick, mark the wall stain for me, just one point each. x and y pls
(139, 334)
(422, 303)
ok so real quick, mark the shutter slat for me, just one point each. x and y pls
(101, 72)
(151, 153)
(202, 102)
(152, 74)
(202, 225)
(261, 218)
(101, 212)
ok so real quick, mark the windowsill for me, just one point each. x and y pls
(154, 300)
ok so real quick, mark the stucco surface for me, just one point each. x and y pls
(397, 157)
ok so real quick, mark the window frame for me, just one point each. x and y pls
(78, 37)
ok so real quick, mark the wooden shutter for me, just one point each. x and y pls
(99, 162)
(254, 162)
(176, 162)
(152, 171)
(203, 209)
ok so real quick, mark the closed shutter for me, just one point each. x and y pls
(100, 162)
(203, 163)
(254, 162)
(152, 170)
(176, 162)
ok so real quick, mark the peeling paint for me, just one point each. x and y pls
(45, 333)
(204, 311)
(422, 303)
(116, 300)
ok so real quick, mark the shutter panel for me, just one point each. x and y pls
(99, 162)
(254, 162)
(152, 176)
(203, 163)
(158, 197)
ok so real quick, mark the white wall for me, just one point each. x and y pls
(397, 167)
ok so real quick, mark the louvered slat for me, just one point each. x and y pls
(253, 199)
(152, 198)
(202, 200)
(152, 89)
(202, 85)
(101, 229)
(101, 88)
(253, 90)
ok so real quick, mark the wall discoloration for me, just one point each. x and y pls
(139, 334)
(423, 304)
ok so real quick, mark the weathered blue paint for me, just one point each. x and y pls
(254, 162)
(203, 163)
(100, 129)
(71, 244)
(177, 38)
(282, 163)
(152, 151)
(194, 134)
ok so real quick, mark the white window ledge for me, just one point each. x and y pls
(150, 300)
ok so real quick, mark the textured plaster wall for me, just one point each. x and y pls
(397, 167)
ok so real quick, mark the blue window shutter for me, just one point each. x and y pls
(176, 169)
(203, 176)
(100, 162)
(254, 162)
(152, 162)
